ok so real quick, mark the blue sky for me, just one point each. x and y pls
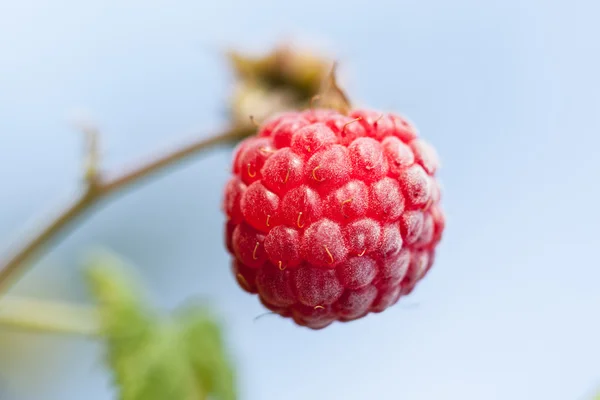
(507, 91)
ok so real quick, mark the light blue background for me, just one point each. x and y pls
(508, 92)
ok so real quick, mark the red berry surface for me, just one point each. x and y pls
(332, 216)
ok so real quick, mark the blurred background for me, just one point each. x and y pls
(507, 91)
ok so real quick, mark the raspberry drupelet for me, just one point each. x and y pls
(332, 216)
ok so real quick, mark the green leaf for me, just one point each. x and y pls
(204, 347)
(157, 357)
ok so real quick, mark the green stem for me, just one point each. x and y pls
(51, 317)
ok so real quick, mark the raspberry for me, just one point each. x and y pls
(331, 217)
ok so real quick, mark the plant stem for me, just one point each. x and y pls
(12, 266)
(161, 162)
(44, 316)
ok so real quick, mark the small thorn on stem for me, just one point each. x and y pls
(253, 121)
(83, 123)
(346, 106)
(92, 157)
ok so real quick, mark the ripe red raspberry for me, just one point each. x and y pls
(332, 216)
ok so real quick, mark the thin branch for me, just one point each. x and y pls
(48, 316)
(92, 163)
(12, 266)
(159, 163)
(32, 246)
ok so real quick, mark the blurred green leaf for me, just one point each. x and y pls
(157, 357)
(204, 347)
